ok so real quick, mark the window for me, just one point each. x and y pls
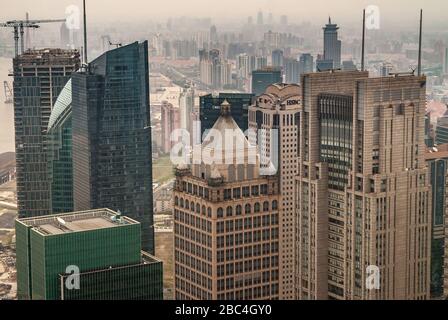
(247, 209)
(220, 213)
(265, 206)
(229, 211)
(257, 207)
(274, 205)
(238, 210)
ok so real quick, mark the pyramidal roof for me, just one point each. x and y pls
(226, 126)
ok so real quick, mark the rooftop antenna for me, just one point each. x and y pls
(363, 38)
(85, 33)
(419, 68)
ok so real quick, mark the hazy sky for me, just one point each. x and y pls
(342, 11)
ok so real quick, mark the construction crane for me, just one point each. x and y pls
(20, 25)
(16, 27)
(8, 92)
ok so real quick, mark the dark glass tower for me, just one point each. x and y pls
(112, 137)
(59, 153)
(39, 77)
(261, 79)
(210, 109)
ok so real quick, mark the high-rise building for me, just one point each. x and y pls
(112, 152)
(215, 71)
(292, 71)
(277, 58)
(210, 109)
(59, 153)
(170, 121)
(102, 246)
(362, 194)
(39, 77)
(437, 162)
(263, 78)
(332, 46)
(386, 69)
(186, 107)
(348, 65)
(306, 63)
(441, 132)
(324, 65)
(226, 217)
(260, 21)
(275, 119)
(445, 61)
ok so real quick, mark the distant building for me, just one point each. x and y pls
(386, 69)
(332, 46)
(103, 246)
(292, 71)
(186, 109)
(306, 63)
(277, 58)
(210, 109)
(442, 130)
(263, 78)
(59, 153)
(324, 65)
(232, 211)
(112, 150)
(348, 65)
(260, 18)
(170, 121)
(39, 77)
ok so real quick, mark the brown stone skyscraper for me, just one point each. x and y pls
(226, 220)
(276, 117)
(362, 197)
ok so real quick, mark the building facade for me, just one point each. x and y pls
(170, 121)
(226, 222)
(103, 246)
(112, 157)
(39, 77)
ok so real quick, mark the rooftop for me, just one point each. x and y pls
(77, 221)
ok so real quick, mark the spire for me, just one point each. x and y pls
(86, 61)
(225, 108)
(329, 19)
(363, 39)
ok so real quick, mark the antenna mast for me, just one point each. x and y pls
(419, 68)
(363, 38)
(85, 33)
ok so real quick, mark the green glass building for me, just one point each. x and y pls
(59, 153)
(97, 250)
(437, 162)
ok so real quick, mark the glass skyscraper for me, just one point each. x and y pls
(261, 79)
(112, 137)
(59, 153)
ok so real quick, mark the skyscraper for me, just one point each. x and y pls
(112, 157)
(39, 77)
(277, 58)
(292, 71)
(59, 153)
(210, 109)
(263, 78)
(306, 63)
(442, 130)
(226, 222)
(170, 121)
(362, 193)
(103, 246)
(186, 107)
(437, 161)
(332, 46)
(275, 119)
